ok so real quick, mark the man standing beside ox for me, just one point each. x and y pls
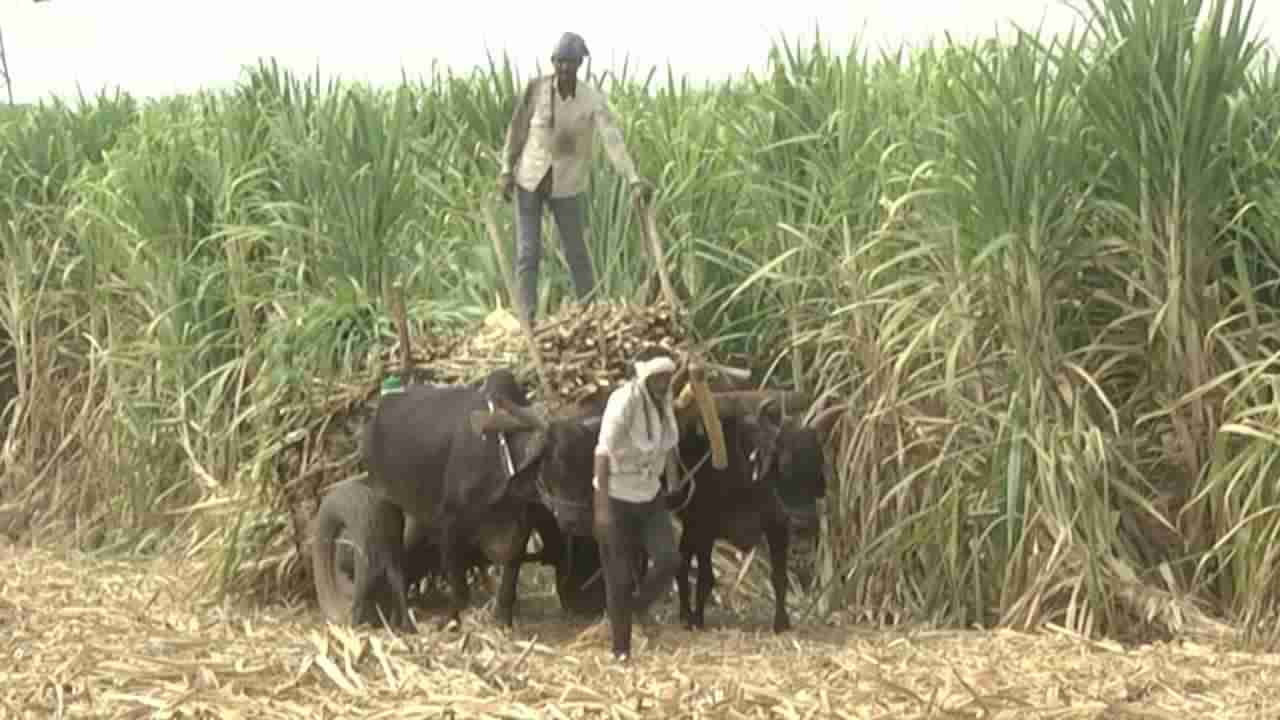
(546, 161)
(638, 434)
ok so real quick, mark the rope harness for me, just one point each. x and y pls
(503, 445)
(540, 482)
(544, 493)
(690, 480)
(758, 470)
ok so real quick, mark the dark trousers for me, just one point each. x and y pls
(570, 217)
(636, 526)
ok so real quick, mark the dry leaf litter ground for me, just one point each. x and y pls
(83, 637)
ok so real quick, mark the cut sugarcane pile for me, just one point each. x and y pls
(584, 348)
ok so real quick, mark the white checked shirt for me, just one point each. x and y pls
(636, 438)
(561, 136)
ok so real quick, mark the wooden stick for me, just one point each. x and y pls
(797, 365)
(649, 228)
(737, 403)
(710, 416)
(543, 379)
(402, 327)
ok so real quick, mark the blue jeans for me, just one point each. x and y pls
(570, 217)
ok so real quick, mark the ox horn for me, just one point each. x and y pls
(680, 379)
(508, 416)
(534, 416)
(771, 402)
(825, 420)
(487, 421)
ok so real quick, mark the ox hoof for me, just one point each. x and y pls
(693, 623)
(781, 625)
(450, 625)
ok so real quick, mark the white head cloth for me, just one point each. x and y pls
(635, 424)
(653, 366)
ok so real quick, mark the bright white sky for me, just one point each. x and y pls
(156, 47)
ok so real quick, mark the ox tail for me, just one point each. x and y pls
(334, 602)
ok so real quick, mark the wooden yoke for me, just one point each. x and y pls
(698, 393)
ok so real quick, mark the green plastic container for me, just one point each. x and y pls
(391, 384)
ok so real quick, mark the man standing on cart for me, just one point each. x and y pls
(546, 161)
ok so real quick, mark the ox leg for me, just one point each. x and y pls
(399, 587)
(682, 580)
(504, 613)
(400, 591)
(777, 537)
(452, 562)
(706, 581)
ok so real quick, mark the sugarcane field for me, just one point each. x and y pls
(955, 370)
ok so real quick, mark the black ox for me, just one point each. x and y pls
(770, 489)
(425, 454)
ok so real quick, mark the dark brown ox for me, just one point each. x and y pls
(424, 454)
(770, 489)
(580, 550)
(768, 486)
(574, 555)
